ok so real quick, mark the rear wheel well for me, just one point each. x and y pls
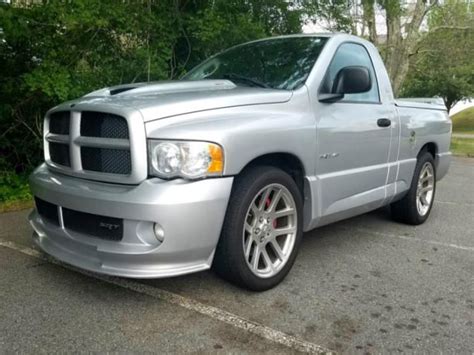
(285, 161)
(430, 148)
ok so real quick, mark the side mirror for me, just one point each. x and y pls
(349, 80)
(352, 80)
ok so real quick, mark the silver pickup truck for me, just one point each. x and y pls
(227, 167)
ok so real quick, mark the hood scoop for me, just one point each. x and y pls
(163, 87)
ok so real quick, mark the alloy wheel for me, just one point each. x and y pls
(425, 189)
(270, 229)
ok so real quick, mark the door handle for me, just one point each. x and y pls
(384, 122)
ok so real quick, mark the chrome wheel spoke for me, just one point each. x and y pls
(248, 247)
(283, 213)
(266, 259)
(423, 200)
(426, 178)
(274, 202)
(277, 249)
(248, 228)
(264, 199)
(255, 210)
(255, 258)
(426, 189)
(285, 230)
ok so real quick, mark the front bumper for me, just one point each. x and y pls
(190, 213)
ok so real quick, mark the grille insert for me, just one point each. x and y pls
(106, 160)
(104, 125)
(59, 122)
(47, 210)
(107, 228)
(59, 153)
(92, 144)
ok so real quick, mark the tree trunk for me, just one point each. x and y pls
(368, 7)
(394, 43)
(402, 41)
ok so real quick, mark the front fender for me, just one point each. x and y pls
(247, 132)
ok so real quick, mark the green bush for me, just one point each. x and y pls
(14, 187)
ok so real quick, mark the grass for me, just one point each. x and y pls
(462, 146)
(14, 192)
(17, 205)
(463, 122)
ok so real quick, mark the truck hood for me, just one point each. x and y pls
(170, 98)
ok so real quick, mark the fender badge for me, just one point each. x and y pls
(329, 155)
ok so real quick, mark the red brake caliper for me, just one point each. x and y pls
(267, 204)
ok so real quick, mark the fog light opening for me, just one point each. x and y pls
(159, 232)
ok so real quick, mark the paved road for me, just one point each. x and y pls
(362, 285)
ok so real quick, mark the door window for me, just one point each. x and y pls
(352, 54)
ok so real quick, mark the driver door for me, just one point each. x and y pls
(353, 148)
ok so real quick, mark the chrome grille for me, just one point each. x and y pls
(96, 145)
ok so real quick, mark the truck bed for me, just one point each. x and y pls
(421, 103)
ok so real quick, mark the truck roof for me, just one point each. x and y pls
(316, 34)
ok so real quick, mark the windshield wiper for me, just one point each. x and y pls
(241, 78)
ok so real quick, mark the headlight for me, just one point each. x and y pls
(192, 160)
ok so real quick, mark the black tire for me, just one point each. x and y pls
(405, 210)
(229, 261)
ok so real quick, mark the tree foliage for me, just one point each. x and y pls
(398, 41)
(51, 51)
(443, 65)
(332, 15)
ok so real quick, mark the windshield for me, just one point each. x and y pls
(280, 63)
